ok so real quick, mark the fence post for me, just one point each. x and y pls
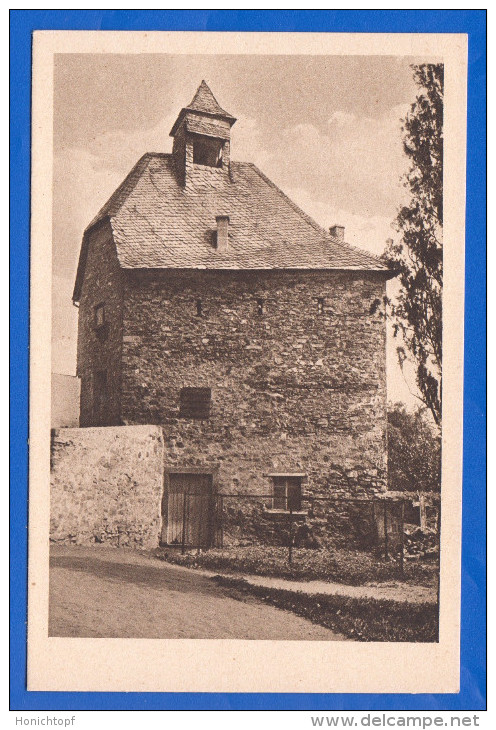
(402, 539)
(210, 521)
(222, 523)
(290, 554)
(183, 536)
(200, 523)
(386, 553)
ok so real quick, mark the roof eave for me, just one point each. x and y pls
(78, 284)
(186, 110)
(387, 273)
(83, 255)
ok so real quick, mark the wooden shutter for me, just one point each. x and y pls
(195, 403)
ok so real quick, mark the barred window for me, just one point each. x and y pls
(195, 403)
(287, 493)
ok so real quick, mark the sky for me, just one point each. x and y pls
(326, 129)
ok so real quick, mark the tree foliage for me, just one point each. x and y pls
(414, 451)
(418, 255)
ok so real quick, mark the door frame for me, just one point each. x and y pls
(212, 470)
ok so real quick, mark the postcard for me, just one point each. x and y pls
(247, 292)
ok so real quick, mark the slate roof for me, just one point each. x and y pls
(203, 102)
(158, 224)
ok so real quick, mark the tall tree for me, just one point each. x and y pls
(418, 255)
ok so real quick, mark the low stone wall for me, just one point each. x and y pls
(107, 485)
(65, 401)
(320, 523)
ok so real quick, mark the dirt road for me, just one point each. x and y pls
(105, 592)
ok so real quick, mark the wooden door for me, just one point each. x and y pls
(188, 510)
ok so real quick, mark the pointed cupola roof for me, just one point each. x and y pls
(203, 102)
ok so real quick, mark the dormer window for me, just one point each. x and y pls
(207, 151)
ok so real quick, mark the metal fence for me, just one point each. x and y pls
(382, 525)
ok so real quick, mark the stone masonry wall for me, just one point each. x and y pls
(100, 350)
(293, 390)
(107, 485)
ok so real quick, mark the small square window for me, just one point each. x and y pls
(99, 315)
(286, 493)
(195, 403)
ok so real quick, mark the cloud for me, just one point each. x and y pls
(367, 232)
(81, 186)
(249, 144)
(342, 118)
(354, 161)
(120, 150)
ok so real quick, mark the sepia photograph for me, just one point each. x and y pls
(247, 330)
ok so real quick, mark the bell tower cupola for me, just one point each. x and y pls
(202, 135)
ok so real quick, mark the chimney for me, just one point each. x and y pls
(337, 232)
(222, 232)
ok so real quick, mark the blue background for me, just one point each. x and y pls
(473, 641)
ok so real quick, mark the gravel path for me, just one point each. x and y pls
(390, 591)
(111, 592)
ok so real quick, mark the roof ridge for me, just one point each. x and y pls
(158, 154)
(295, 207)
(359, 251)
(107, 207)
(310, 220)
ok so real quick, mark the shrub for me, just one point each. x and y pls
(352, 567)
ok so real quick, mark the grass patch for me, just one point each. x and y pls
(332, 565)
(360, 619)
